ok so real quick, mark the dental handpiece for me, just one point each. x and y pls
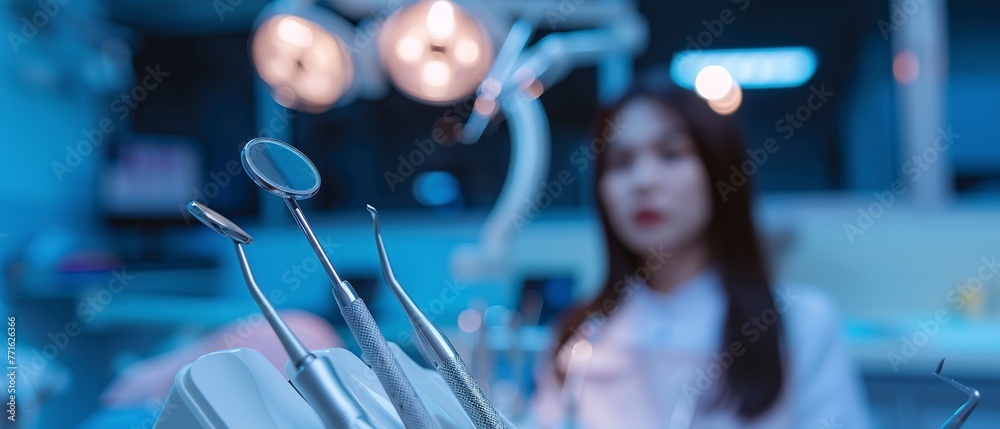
(283, 170)
(963, 412)
(437, 349)
(315, 379)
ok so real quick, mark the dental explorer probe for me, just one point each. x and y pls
(438, 350)
(283, 170)
(315, 380)
(963, 412)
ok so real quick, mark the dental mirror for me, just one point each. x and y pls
(219, 223)
(284, 171)
(280, 168)
(296, 350)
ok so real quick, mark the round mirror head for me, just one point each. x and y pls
(280, 168)
(219, 223)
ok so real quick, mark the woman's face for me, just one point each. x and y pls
(655, 189)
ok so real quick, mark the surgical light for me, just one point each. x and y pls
(297, 51)
(435, 51)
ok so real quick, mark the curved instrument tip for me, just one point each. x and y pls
(939, 367)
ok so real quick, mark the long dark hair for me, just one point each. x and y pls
(753, 381)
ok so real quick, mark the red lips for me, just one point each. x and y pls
(647, 218)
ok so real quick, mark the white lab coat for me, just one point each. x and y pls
(659, 355)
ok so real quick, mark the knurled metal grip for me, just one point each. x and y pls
(469, 395)
(376, 352)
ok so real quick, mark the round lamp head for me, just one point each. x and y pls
(435, 51)
(297, 51)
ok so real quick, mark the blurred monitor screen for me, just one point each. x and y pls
(148, 178)
(208, 96)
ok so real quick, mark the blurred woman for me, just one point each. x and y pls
(688, 329)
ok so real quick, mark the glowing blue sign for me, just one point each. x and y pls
(751, 68)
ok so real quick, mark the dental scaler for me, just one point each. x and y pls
(963, 412)
(436, 348)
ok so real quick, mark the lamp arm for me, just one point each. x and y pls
(554, 56)
(529, 166)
